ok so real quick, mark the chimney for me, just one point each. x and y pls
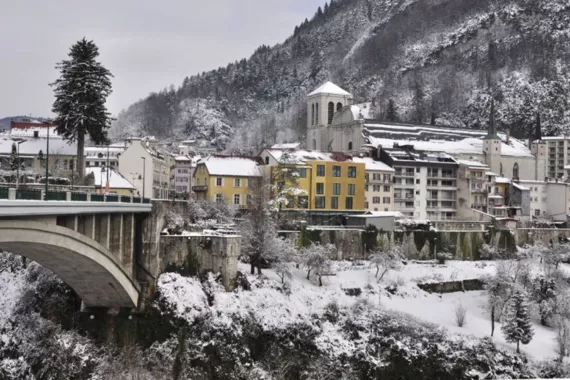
(508, 133)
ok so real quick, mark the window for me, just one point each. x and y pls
(303, 201)
(314, 144)
(320, 170)
(350, 146)
(319, 202)
(336, 188)
(334, 203)
(365, 187)
(338, 106)
(219, 198)
(237, 182)
(351, 189)
(386, 200)
(418, 181)
(197, 181)
(352, 172)
(376, 188)
(501, 169)
(386, 189)
(218, 181)
(266, 160)
(376, 200)
(386, 178)
(536, 212)
(313, 114)
(336, 171)
(237, 199)
(317, 113)
(302, 172)
(331, 112)
(320, 188)
(516, 170)
(349, 201)
(248, 199)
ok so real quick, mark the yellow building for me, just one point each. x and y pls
(227, 179)
(327, 182)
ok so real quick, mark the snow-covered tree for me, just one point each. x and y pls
(80, 96)
(386, 261)
(517, 326)
(285, 182)
(14, 157)
(260, 241)
(558, 254)
(316, 260)
(544, 294)
(392, 111)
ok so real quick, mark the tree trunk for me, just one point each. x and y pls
(320, 281)
(518, 349)
(308, 274)
(259, 269)
(252, 268)
(492, 320)
(80, 155)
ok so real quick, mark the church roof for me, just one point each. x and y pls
(330, 88)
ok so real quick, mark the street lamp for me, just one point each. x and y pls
(144, 177)
(18, 142)
(47, 161)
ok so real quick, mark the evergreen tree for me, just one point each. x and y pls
(14, 157)
(391, 111)
(319, 12)
(418, 101)
(80, 95)
(516, 321)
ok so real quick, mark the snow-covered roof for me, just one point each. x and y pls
(395, 214)
(491, 174)
(330, 88)
(502, 180)
(41, 131)
(31, 147)
(472, 164)
(438, 139)
(94, 151)
(520, 187)
(299, 156)
(116, 181)
(295, 145)
(182, 158)
(373, 165)
(231, 166)
(495, 196)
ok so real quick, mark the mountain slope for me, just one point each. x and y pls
(440, 61)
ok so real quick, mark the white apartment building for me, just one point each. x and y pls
(98, 156)
(379, 189)
(425, 184)
(148, 169)
(472, 187)
(558, 159)
(182, 176)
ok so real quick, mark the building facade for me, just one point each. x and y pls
(378, 188)
(329, 182)
(147, 169)
(182, 177)
(228, 179)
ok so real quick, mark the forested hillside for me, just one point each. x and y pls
(440, 61)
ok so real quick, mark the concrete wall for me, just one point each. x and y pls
(540, 235)
(198, 254)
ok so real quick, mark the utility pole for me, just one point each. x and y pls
(108, 167)
(47, 163)
(144, 178)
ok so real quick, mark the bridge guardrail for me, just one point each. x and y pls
(31, 193)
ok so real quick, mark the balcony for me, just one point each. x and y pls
(199, 189)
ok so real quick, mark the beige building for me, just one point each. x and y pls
(378, 188)
(472, 187)
(148, 169)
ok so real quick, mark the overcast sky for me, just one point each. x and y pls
(147, 45)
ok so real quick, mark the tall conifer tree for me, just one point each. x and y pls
(516, 321)
(80, 95)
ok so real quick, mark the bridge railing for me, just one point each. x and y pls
(27, 193)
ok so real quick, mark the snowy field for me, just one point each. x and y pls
(276, 309)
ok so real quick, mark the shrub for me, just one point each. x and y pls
(460, 314)
(442, 257)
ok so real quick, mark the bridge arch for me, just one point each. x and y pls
(85, 265)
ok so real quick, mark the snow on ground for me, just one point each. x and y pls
(276, 309)
(12, 285)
